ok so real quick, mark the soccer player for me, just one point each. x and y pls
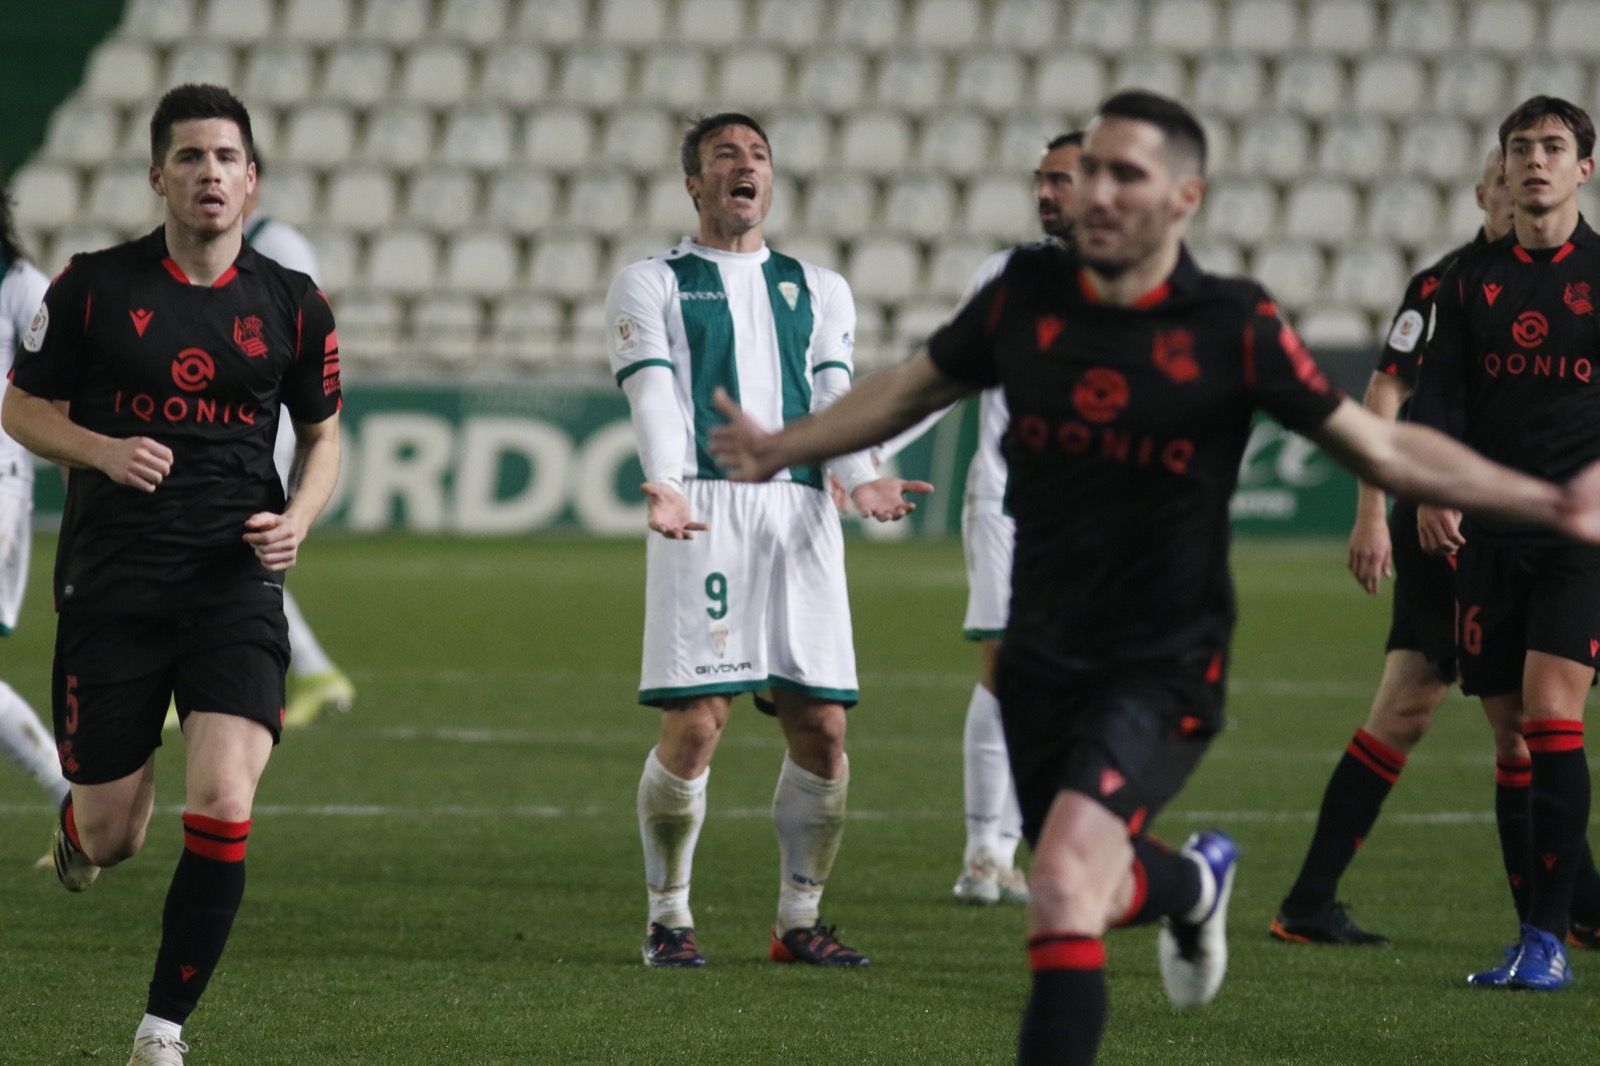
(1509, 370)
(22, 736)
(1131, 378)
(157, 371)
(994, 821)
(1419, 662)
(745, 584)
(316, 684)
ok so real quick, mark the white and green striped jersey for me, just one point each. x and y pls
(22, 288)
(762, 325)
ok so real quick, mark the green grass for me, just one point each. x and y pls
(450, 874)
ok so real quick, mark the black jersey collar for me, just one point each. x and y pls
(1582, 237)
(1183, 279)
(154, 246)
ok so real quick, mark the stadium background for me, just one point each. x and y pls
(449, 873)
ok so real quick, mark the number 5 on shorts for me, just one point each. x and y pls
(717, 590)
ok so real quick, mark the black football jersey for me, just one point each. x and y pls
(1516, 348)
(137, 350)
(1127, 428)
(1408, 331)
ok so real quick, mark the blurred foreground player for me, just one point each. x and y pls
(157, 370)
(1510, 370)
(1131, 378)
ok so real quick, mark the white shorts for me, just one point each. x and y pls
(16, 536)
(756, 602)
(987, 540)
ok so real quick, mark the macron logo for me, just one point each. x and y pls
(141, 319)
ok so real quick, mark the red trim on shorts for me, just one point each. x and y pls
(1513, 773)
(1550, 735)
(213, 838)
(1065, 951)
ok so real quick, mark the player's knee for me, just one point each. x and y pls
(108, 839)
(1065, 891)
(222, 801)
(1404, 723)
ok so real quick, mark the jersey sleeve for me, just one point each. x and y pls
(963, 348)
(311, 388)
(1438, 399)
(1408, 330)
(836, 333)
(636, 321)
(1282, 377)
(50, 356)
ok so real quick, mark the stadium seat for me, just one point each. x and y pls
(448, 329)
(1230, 85)
(291, 194)
(921, 205)
(120, 198)
(558, 138)
(1069, 77)
(1347, 28)
(45, 194)
(840, 205)
(521, 201)
(1335, 327)
(525, 329)
(641, 139)
(1505, 27)
(632, 22)
(1563, 76)
(1462, 215)
(1110, 27)
(1404, 212)
(436, 75)
(1022, 141)
(812, 247)
(637, 246)
(565, 264)
(710, 23)
(120, 70)
(1292, 272)
(237, 21)
(1355, 147)
(910, 81)
(992, 82)
(1322, 209)
(403, 262)
(1370, 277)
(477, 136)
(1217, 257)
(886, 269)
(515, 75)
(1184, 27)
(278, 75)
(956, 142)
(1573, 28)
(369, 327)
(1154, 71)
(201, 63)
(1470, 85)
(1024, 26)
(158, 21)
(1423, 27)
(1275, 145)
(595, 77)
(360, 198)
(1001, 208)
(783, 217)
(802, 142)
(265, 128)
(395, 22)
(1219, 144)
(338, 255)
(1312, 85)
(320, 22)
(442, 199)
(1437, 148)
(1240, 210)
(479, 23)
(321, 135)
(871, 24)
(667, 205)
(482, 262)
(77, 238)
(877, 142)
(358, 73)
(678, 77)
(953, 264)
(602, 202)
(551, 23)
(914, 323)
(756, 77)
(834, 80)
(788, 25)
(400, 135)
(948, 25)
(1262, 27)
(1389, 85)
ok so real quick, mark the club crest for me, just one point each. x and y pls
(790, 293)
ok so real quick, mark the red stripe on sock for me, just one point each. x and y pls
(213, 838)
(1141, 889)
(1513, 773)
(1549, 735)
(71, 824)
(1066, 951)
(1356, 752)
(1396, 760)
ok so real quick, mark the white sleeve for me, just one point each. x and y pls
(23, 289)
(833, 363)
(641, 359)
(289, 247)
(658, 424)
(907, 437)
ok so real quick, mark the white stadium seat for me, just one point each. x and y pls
(1346, 28)
(485, 263)
(525, 328)
(1438, 148)
(949, 25)
(802, 141)
(558, 138)
(1367, 276)
(521, 201)
(1424, 27)
(321, 22)
(565, 264)
(785, 213)
(1507, 27)
(637, 246)
(551, 23)
(1163, 74)
(1263, 27)
(1000, 207)
(202, 64)
(921, 206)
(1472, 85)
(952, 266)
(479, 23)
(361, 198)
(399, 135)
(1230, 85)
(121, 70)
(160, 21)
(442, 199)
(322, 135)
(834, 80)
(291, 194)
(872, 24)
(679, 77)
(840, 205)
(1106, 26)
(990, 81)
(1275, 145)
(478, 136)
(395, 22)
(1292, 272)
(788, 25)
(1573, 28)
(755, 77)
(641, 139)
(1217, 257)
(1185, 27)
(603, 202)
(1244, 210)
(1462, 215)
(1322, 209)
(1357, 147)
(79, 237)
(1069, 79)
(437, 75)
(956, 142)
(877, 142)
(633, 22)
(1390, 86)
(1563, 76)
(1312, 85)
(910, 81)
(710, 23)
(1026, 26)
(1404, 212)
(1022, 141)
(448, 329)
(278, 74)
(1335, 327)
(813, 248)
(594, 77)
(358, 73)
(914, 323)
(667, 205)
(120, 198)
(369, 327)
(516, 75)
(237, 21)
(887, 269)
(337, 257)
(46, 195)
(403, 262)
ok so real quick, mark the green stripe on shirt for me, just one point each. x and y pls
(793, 319)
(708, 328)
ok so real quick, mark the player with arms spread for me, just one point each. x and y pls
(1131, 377)
(157, 371)
(745, 584)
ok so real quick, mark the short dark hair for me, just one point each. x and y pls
(1535, 109)
(188, 102)
(689, 151)
(1184, 136)
(1064, 140)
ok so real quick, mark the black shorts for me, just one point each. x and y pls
(1128, 738)
(1513, 598)
(1422, 616)
(115, 674)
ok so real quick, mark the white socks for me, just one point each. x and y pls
(671, 811)
(305, 654)
(994, 821)
(28, 742)
(150, 1025)
(808, 813)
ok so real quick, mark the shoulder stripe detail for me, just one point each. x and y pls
(832, 364)
(633, 368)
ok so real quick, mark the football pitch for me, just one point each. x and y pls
(451, 872)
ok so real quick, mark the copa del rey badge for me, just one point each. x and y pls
(790, 293)
(34, 338)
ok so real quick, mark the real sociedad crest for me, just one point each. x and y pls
(790, 293)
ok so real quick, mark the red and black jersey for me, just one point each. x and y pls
(1516, 349)
(136, 350)
(1408, 332)
(1127, 429)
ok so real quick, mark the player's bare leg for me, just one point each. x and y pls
(993, 819)
(103, 824)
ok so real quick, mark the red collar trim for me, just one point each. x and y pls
(1566, 250)
(1521, 253)
(176, 271)
(1150, 299)
(1527, 257)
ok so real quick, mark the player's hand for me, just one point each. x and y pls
(884, 498)
(1371, 553)
(841, 498)
(1439, 529)
(668, 512)
(742, 448)
(137, 462)
(275, 538)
